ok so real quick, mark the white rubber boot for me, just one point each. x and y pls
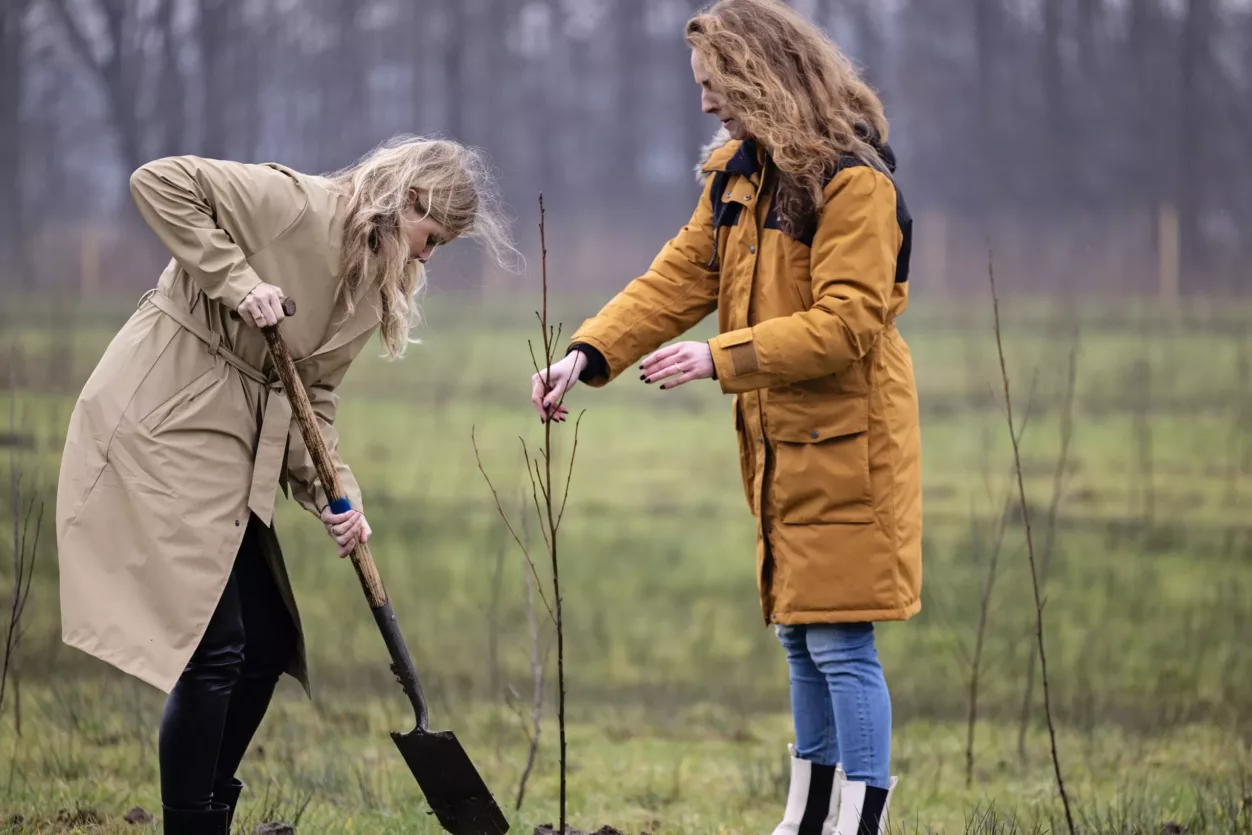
(861, 809)
(812, 798)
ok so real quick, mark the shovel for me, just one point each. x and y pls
(454, 790)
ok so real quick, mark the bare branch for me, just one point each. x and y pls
(569, 474)
(78, 38)
(505, 517)
(536, 713)
(1049, 543)
(1030, 551)
(534, 489)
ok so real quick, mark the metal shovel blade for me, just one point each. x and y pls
(453, 788)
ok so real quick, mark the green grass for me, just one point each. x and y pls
(702, 769)
(677, 690)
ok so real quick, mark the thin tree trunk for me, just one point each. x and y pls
(211, 32)
(12, 66)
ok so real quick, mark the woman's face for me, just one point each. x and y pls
(423, 233)
(711, 101)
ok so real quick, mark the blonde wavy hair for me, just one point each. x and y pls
(453, 185)
(794, 91)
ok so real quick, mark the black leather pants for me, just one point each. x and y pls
(219, 701)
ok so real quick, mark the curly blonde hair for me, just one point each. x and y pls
(794, 91)
(453, 186)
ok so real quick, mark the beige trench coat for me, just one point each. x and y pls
(183, 429)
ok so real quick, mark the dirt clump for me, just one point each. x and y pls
(137, 815)
(274, 829)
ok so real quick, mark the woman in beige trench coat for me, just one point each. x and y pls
(170, 569)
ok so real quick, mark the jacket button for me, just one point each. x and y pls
(813, 434)
(752, 249)
(760, 439)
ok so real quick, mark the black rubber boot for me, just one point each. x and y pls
(229, 795)
(211, 821)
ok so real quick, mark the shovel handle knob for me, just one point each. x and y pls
(288, 305)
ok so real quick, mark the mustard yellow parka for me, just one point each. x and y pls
(825, 404)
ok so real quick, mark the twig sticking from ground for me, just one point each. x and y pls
(1049, 542)
(984, 617)
(25, 552)
(536, 710)
(1030, 551)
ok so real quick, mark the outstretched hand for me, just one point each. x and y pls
(549, 386)
(679, 363)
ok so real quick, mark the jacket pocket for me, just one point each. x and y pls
(747, 464)
(821, 454)
(179, 399)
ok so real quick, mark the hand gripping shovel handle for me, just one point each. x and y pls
(367, 572)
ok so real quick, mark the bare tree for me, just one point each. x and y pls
(13, 60)
(122, 62)
(549, 506)
(213, 31)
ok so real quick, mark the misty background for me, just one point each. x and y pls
(1100, 143)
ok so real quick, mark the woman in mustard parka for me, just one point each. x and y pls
(170, 568)
(800, 242)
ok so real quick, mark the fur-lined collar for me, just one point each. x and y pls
(721, 138)
(718, 141)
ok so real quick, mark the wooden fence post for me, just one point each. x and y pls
(89, 260)
(1167, 253)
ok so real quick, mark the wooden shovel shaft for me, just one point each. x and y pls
(367, 572)
(302, 409)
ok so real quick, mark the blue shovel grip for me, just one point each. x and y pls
(338, 506)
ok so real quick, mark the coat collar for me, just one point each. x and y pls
(745, 157)
(365, 315)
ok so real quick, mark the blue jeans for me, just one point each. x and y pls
(839, 698)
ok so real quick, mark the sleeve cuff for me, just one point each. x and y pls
(597, 367)
(233, 295)
(736, 364)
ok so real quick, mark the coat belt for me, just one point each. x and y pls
(271, 451)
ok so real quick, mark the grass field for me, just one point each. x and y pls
(677, 691)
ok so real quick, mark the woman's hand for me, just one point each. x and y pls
(679, 363)
(548, 387)
(347, 529)
(263, 306)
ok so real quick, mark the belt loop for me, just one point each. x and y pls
(147, 295)
(215, 342)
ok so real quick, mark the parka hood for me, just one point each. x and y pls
(721, 138)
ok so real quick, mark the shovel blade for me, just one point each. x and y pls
(452, 786)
